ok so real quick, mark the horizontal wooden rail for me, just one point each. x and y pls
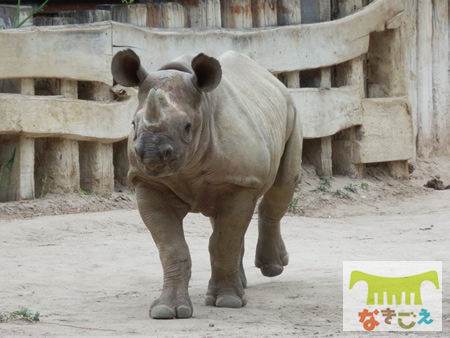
(325, 111)
(53, 116)
(71, 52)
(84, 52)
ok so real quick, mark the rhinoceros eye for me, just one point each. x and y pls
(133, 124)
(188, 128)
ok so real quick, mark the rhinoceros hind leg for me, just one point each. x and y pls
(271, 254)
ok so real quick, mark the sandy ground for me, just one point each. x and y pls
(97, 273)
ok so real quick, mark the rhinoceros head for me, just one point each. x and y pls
(167, 121)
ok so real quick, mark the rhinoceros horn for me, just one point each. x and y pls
(156, 103)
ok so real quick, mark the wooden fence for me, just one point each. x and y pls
(62, 128)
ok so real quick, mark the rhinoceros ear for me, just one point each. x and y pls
(207, 72)
(127, 70)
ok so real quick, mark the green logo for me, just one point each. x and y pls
(394, 286)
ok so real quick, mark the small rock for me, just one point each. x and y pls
(436, 184)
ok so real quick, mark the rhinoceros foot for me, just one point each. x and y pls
(228, 297)
(271, 259)
(179, 308)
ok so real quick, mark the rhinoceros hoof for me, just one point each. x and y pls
(229, 301)
(273, 269)
(163, 311)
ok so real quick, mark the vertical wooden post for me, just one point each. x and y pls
(264, 13)
(57, 164)
(320, 151)
(398, 170)
(173, 16)
(289, 13)
(88, 16)
(96, 167)
(26, 152)
(351, 74)
(203, 13)
(17, 160)
(120, 160)
(236, 13)
(16, 168)
(440, 48)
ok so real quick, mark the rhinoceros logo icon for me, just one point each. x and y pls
(394, 286)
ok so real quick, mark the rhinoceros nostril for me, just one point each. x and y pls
(165, 151)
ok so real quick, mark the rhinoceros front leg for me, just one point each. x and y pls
(226, 245)
(163, 215)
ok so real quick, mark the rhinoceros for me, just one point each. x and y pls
(211, 136)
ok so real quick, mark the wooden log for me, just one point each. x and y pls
(16, 168)
(236, 13)
(348, 7)
(409, 29)
(52, 21)
(57, 160)
(440, 69)
(134, 14)
(324, 10)
(27, 86)
(96, 167)
(289, 12)
(95, 91)
(154, 15)
(290, 79)
(344, 144)
(8, 13)
(69, 88)
(120, 161)
(173, 15)
(26, 153)
(264, 13)
(398, 170)
(202, 13)
(343, 154)
(87, 16)
(57, 168)
(318, 151)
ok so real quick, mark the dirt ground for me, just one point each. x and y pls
(89, 266)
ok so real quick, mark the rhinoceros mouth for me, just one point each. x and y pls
(163, 169)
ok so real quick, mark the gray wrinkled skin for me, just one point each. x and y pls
(211, 136)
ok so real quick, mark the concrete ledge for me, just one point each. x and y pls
(386, 133)
(325, 111)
